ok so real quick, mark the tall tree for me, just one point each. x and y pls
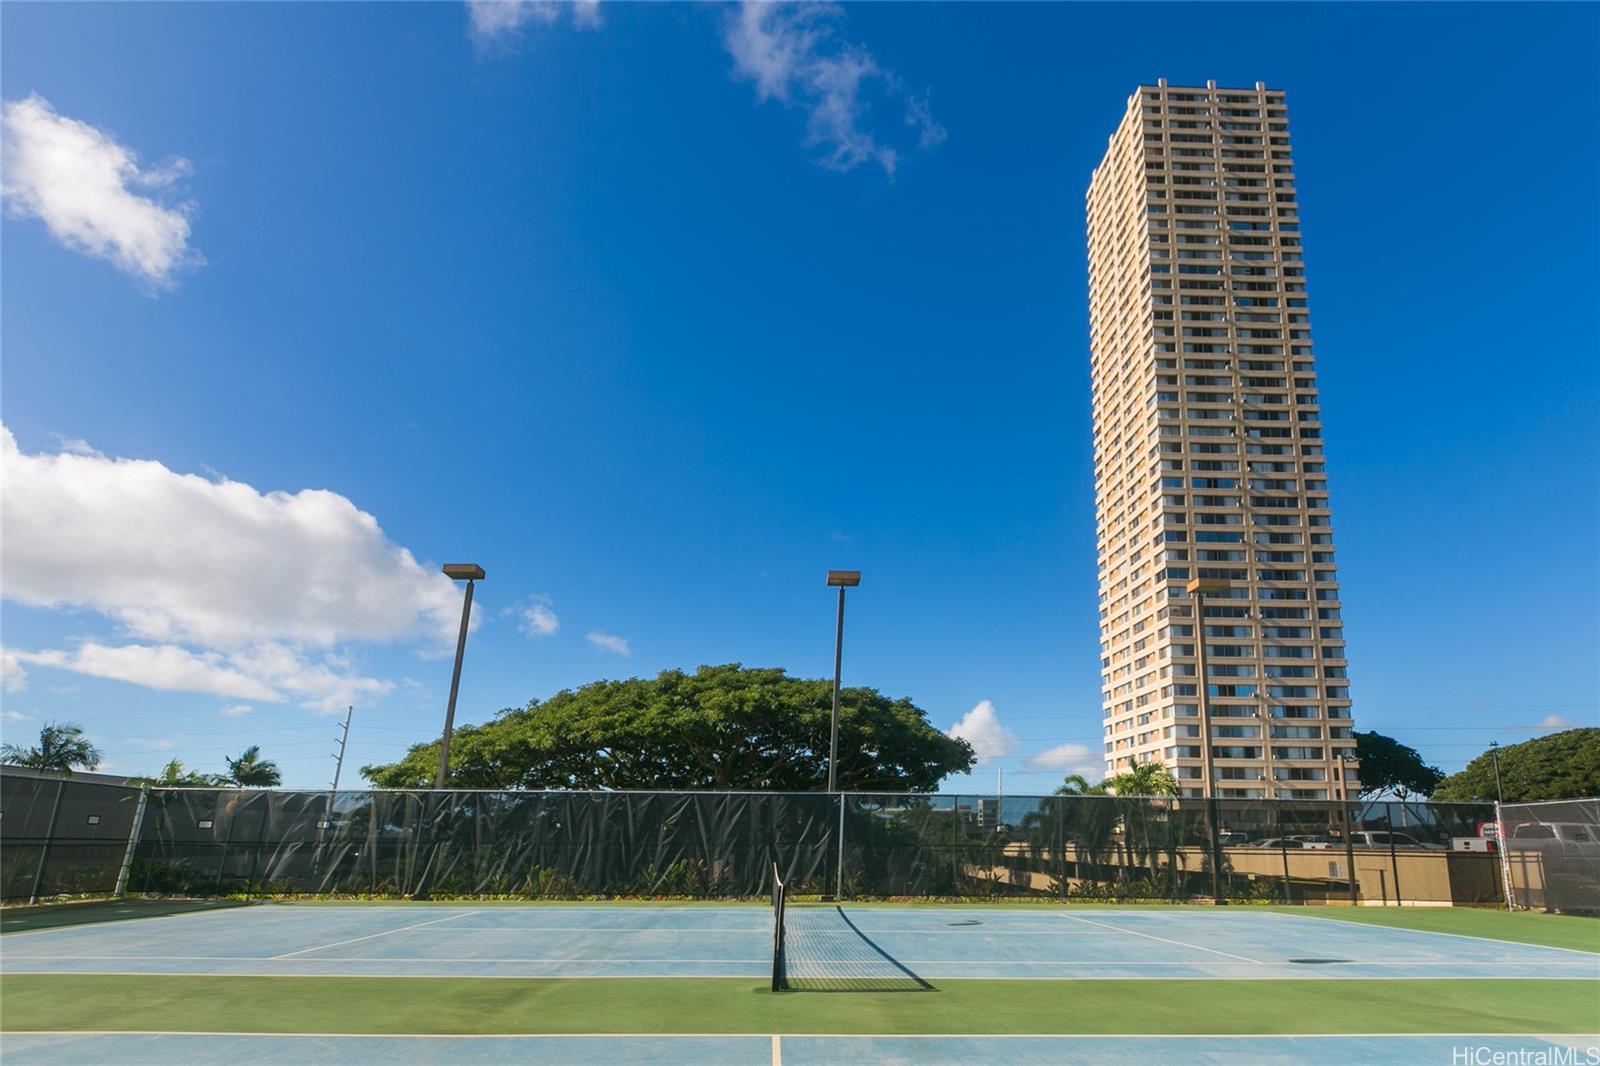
(250, 770)
(1563, 765)
(1390, 766)
(722, 727)
(62, 748)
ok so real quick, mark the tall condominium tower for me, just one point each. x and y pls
(1208, 456)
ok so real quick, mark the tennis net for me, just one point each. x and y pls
(778, 982)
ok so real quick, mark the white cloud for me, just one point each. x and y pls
(1068, 759)
(1555, 721)
(225, 590)
(78, 446)
(237, 710)
(16, 716)
(981, 728)
(166, 667)
(13, 678)
(81, 183)
(491, 20)
(178, 558)
(609, 642)
(918, 116)
(793, 55)
(536, 617)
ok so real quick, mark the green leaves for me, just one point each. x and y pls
(250, 770)
(1390, 766)
(62, 748)
(722, 727)
(1562, 765)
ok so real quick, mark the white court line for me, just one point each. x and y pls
(591, 930)
(1164, 940)
(567, 960)
(720, 977)
(370, 936)
(777, 1051)
(1436, 932)
(1554, 1037)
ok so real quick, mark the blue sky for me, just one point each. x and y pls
(660, 311)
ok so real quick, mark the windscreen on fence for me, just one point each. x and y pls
(1552, 855)
(201, 842)
(62, 837)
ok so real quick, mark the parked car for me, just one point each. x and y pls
(1382, 839)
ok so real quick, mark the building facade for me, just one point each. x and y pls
(1209, 458)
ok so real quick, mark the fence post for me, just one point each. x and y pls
(1350, 852)
(1505, 859)
(133, 842)
(49, 833)
(838, 873)
(1215, 830)
(1394, 863)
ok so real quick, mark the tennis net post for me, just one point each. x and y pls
(779, 983)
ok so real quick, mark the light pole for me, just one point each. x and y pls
(1494, 753)
(470, 573)
(841, 580)
(1349, 836)
(1199, 589)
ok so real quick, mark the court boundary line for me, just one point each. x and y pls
(1439, 932)
(616, 961)
(831, 1036)
(288, 955)
(1309, 976)
(1168, 940)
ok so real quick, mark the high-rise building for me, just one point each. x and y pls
(1208, 455)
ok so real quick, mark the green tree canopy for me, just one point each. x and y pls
(61, 748)
(722, 727)
(250, 770)
(1562, 765)
(1390, 766)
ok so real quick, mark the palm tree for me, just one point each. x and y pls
(62, 747)
(1078, 785)
(175, 775)
(1145, 779)
(250, 770)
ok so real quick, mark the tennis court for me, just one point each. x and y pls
(826, 943)
(664, 983)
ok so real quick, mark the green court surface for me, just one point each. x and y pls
(60, 915)
(62, 1002)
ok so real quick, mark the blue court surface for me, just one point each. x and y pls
(174, 1049)
(736, 941)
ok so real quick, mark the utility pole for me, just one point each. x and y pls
(325, 826)
(344, 738)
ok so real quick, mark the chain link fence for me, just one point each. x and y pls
(208, 842)
(1552, 855)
